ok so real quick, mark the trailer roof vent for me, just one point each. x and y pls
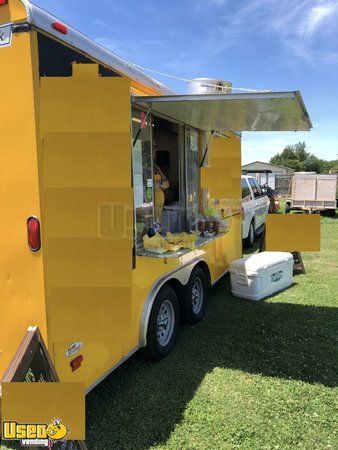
(209, 86)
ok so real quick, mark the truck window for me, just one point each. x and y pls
(256, 189)
(259, 189)
(246, 194)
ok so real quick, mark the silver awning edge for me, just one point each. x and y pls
(257, 111)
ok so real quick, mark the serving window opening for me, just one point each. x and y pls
(169, 202)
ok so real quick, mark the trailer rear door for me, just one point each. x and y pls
(326, 187)
(304, 187)
(87, 221)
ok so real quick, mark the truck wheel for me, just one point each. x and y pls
(287, 208)
(195, 297)
(250, 240)
(163, 324)
(331, 212)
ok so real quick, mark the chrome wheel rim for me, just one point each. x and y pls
(197, 295)
(165, 323)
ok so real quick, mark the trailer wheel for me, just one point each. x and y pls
(163, 324)
(287, 208)
(331, 212)
(250, 240)
(195, 297)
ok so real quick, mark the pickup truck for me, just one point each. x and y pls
(255, 207)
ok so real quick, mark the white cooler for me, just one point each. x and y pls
(261, 274)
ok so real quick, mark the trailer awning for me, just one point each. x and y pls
(263, 111)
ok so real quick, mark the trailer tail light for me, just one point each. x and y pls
(3, 2)
(60, 27)
(33, 232)
(76, 363)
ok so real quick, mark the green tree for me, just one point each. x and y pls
(298, 158)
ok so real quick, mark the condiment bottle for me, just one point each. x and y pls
(216, 226)
(201, 224)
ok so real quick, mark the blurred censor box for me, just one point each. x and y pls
(57, 411)
(293, 232)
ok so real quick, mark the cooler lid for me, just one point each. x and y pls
(260, 261)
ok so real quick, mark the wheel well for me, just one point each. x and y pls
(179, 287)
(176, 285)
(204, 266)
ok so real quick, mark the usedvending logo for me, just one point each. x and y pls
(276, 276)
(38, 435)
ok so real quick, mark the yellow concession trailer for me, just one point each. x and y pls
(94, 153)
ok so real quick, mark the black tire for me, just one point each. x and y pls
(250, 240)
(287, 208)
(155, 349)
(331, 212)
(193, 302)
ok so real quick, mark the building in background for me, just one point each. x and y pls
(279, 178)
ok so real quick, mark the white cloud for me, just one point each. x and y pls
(200, 4)
(291, 26)
(107, 43)
(317, 16)
(129, 48)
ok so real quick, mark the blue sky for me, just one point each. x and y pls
(256, 44)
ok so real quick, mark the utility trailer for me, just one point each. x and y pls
(312, 192)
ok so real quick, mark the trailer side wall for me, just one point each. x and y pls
(21, 271)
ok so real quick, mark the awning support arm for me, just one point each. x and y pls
(206, 148)
(141, 126)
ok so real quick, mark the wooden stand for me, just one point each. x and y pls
(262, 242)
(298, 265)
(32, 363)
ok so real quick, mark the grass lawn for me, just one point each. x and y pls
(251, 375)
